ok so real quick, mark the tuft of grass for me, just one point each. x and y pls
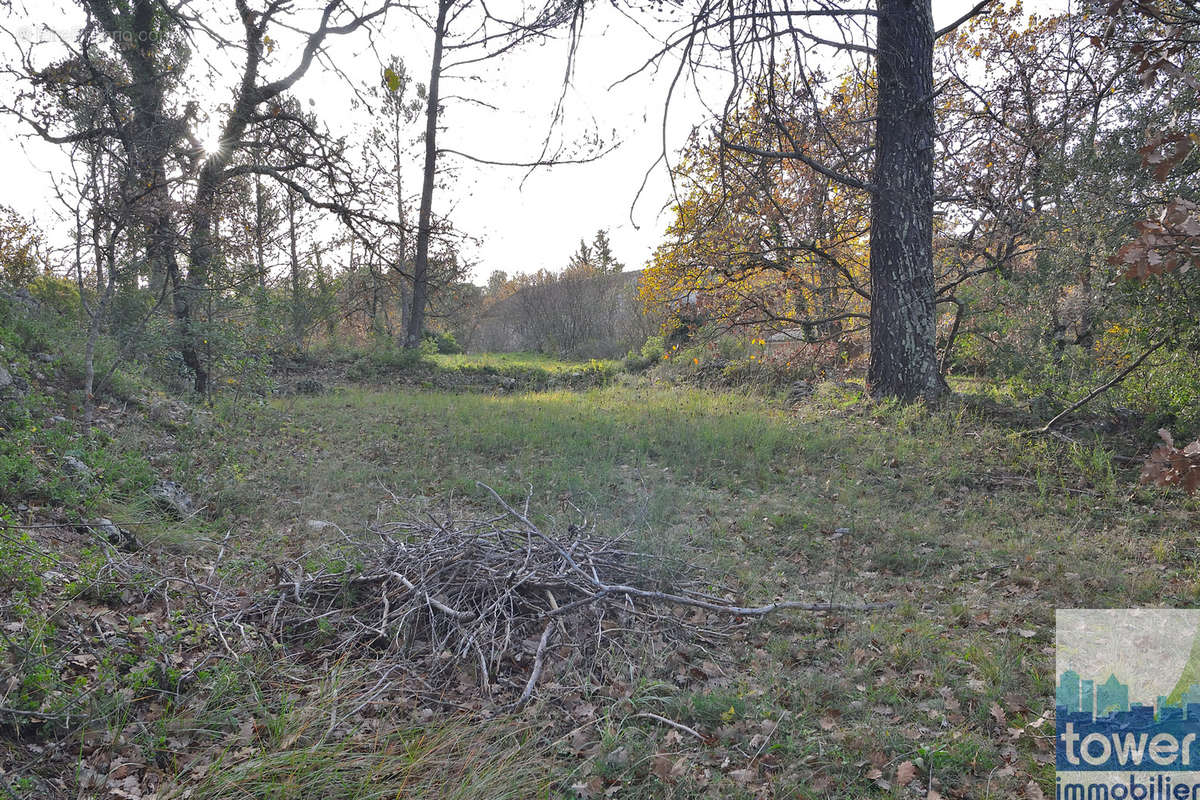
(455, 760)
(519, 361)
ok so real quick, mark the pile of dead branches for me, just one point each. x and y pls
(493, 596)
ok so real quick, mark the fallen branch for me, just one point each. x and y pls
(539, 662)
(1099, 390)
(483, 595)
(679, 726)
(665, 597)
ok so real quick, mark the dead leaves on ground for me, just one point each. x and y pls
(1171, 466)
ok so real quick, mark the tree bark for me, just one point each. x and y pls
(294, 256)
(420, 289)
(904, 360)
(259, 236)
(188, 290)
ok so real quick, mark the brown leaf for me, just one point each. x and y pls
(666, 767)
(744, 776)
(905, 773)
(592, 788)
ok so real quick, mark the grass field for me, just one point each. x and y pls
(500, 361)
(975, 534)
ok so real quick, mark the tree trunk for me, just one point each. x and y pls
(297, 312)
(187, 290)
(259, 237)
(904, 360)
(420, 289)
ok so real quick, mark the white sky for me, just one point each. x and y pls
(520, 228)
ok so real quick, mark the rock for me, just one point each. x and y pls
(57, 419)
(45, 358)
(170, 496)
(76, 468)
(6, 380)
(22, 297)
(115, 534)
(310, 386)
(107, 527)
(317, 525)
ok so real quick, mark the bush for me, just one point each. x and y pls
(59, 294)
(390, 358)
(446, 344)
(650, 354)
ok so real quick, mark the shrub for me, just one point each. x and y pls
(649, 355)
(447, 344)
(59, 294)
(390, 358)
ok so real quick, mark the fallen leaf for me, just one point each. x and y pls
(664, 767)
(744, 776)
(905, 773)
(593, 788)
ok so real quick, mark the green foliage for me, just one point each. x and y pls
(20, 241)
(390, 358)
(22, 561)
(32, 448)
(650, 354)
(31, 468)
(58, 294)
(711, 709)
(446, 343)
(30, 650)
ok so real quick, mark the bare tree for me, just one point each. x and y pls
(467, 32)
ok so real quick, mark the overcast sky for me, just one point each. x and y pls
(520, 226)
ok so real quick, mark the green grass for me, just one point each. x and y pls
(975, 534)
(500, 361)
(458, 759)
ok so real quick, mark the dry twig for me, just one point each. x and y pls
(488, 597)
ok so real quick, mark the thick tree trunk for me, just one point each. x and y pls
(420, 289)
(189, 290)
(904, 360)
